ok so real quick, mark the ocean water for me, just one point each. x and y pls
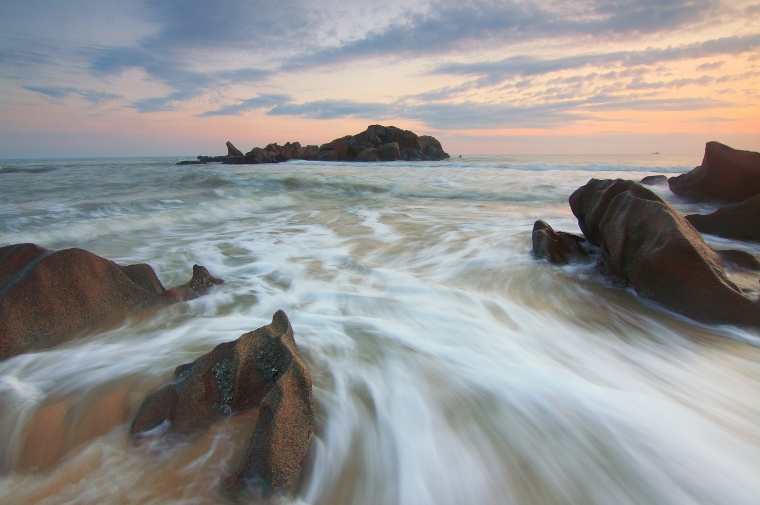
(449, 366)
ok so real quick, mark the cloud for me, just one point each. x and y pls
(266, 101)
(515, 66)
(454, 26)
(58, 93)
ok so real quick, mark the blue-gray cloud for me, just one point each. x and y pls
(451, 26)
(514, 66)
(286, 31)
(57, 93)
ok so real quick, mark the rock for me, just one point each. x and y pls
(369, 154)
(389, 152)
(233, 151)
(726, 174)
(560, 248)
(197, 286)
(261, 369)
(645, 243)
(414, 155)
(191, 162)
(47, 297)
(740, 221)
(654, 180)
(739, 258)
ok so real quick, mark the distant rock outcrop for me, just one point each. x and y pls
(376, 143)
(47, 297)
(725, 174)
(646, 244)
(261, 369)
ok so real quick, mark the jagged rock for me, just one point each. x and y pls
(725, 174)
(261, 369)
(47, 297)
(233, 151)
(645, 243)
(740, 221)
(560, 248)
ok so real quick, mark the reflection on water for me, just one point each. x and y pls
(448, 366)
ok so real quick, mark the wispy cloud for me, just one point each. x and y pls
(58, 93)
(260, 102)
(515, 66)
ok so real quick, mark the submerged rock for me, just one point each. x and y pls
(261, 369)
(47, 297)
(560, 248)
(725, 174)
(645, 243)
(654, 180)
(740, 221)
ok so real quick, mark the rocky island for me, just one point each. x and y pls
(376, 143)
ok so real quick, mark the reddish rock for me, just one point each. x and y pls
(740, 221)
(47, 298)
(725, 174)
(261, 369)
(559, 248)
(645, 243)
(340, 150)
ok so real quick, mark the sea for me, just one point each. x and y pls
(449, 366)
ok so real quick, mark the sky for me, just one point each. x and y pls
(182, 77)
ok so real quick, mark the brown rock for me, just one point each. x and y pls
(644, 242)
(726, 174)
(369, 154)
(47, 298)
(389, 152)
(261, 369)
(740, 221)
(560, 248)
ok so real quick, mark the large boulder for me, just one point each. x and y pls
(558, 247)
(47, 297)
(261, 369)
(645, 243)
(740, 221)
(725, 174)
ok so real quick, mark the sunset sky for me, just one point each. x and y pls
(181, 77)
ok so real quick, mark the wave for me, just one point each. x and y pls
(20, 170)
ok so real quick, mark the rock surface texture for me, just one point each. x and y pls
(262, 369)
(376, 143)
(725, 174)
(47, 297)
(645, 243)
